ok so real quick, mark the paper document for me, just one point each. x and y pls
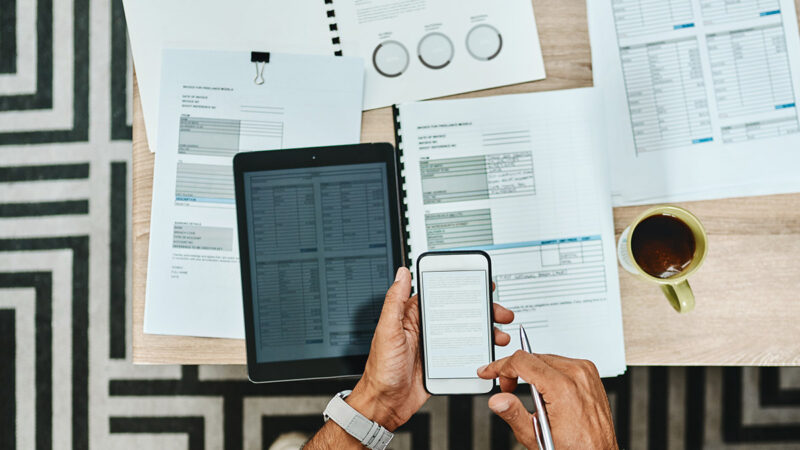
(211, 109)
(412, 49)
(524, 178)
(297, 26)
(418, 49)
(700, 96)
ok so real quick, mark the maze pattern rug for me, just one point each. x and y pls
(66, 380)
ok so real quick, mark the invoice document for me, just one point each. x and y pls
(211, 109)
(418, 49)
(297, 26)
(700, 96)
(524, 178)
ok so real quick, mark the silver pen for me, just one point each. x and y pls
(541, 426)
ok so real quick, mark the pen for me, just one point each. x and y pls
(541, 426)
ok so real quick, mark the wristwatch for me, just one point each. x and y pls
(372, 435)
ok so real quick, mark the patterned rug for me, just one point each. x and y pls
(66, 380)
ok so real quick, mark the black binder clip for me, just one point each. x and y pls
(263, 59)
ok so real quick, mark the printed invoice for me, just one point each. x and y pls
(523, 177)
(211, 109)
(297, 26)
(702, 96)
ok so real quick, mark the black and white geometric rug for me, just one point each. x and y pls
(66, 380)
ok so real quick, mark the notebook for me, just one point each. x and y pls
(524, 178)
(412, 49)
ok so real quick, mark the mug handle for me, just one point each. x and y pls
(680, 296)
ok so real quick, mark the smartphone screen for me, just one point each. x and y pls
(456, 330)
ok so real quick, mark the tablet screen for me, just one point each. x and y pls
(321, 259)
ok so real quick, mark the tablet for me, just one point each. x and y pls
(319, 244)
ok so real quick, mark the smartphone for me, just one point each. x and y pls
(456, 317)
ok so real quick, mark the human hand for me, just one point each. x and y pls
(576, 402)
(391, 389)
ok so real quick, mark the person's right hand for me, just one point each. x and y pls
(575, 399)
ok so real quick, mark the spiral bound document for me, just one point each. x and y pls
(214, 105)
(524, 178)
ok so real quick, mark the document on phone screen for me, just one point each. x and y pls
(455, 308)
(701, 97)
(524, 178)
(211, 109)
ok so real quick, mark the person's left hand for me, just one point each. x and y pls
(391, 389)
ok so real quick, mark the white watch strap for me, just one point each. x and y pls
(369, 433)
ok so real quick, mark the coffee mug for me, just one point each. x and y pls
(665, 245)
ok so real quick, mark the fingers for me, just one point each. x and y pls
(525, 365)
(505, 316)
(510, 409)
(394, 305)
(502, 315)
(412, 314)
(557, 362)
(501, 338)
(579, 370)
(508, 384)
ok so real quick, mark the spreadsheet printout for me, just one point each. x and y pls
(210, 110)
(701, 97)
(524, 178)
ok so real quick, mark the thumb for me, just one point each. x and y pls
(395, 303)
(510, 408)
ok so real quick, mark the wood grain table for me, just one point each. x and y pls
(748, 291)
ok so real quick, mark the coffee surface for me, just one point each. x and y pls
(663, 245)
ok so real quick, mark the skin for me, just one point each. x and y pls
(575, 399)
(391, 389)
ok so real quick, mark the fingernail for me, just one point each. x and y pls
(397, 275)
(500, 406)
(480, 369)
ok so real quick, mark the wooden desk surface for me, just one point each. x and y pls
(748, 292)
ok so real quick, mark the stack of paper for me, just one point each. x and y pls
(412, 49)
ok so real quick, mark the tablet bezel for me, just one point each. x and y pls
(304, 369)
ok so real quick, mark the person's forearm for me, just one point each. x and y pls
(332, 436)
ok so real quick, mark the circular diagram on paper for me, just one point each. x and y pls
(435, 50)
(484, 42)
(390, 58)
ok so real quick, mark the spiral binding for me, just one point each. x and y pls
(333, 27)
(398, 143)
